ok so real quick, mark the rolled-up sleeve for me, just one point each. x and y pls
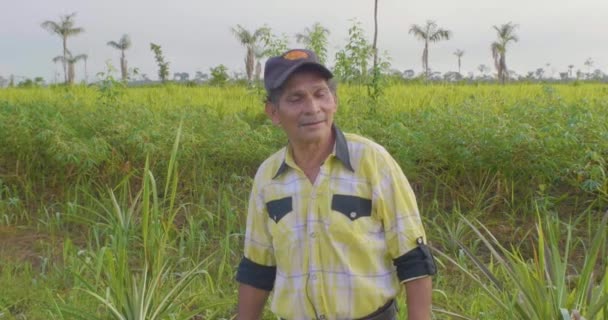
(404, 233)
(416, 263)
(258, 266)
(256, 275)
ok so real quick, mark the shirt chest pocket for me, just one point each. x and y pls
(352, 207)
(278, 209)
(352, 221)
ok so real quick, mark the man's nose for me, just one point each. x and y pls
(311, 105)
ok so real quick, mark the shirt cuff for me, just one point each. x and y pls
(256, 275)
(414, 278)
(415, 263)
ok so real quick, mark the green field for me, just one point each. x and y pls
(126, 202)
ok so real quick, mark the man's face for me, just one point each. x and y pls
(306, 108)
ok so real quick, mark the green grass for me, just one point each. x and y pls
(141, 184)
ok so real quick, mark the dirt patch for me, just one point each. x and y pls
(25, 245)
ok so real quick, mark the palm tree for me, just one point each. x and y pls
(249, 40)
(64, 29)
(315, 39)
(70, 61)
(123, 44)
(429, 33)
(506, 34)
(459, 53)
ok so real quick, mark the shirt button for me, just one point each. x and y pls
(313, 195)
(322, 317)
(353, 215)
(313, 277)
(313, 234)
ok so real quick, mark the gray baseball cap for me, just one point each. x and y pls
(279, 68)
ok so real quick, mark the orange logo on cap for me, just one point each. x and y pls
(296, 55)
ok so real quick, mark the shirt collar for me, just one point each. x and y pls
(340, 152)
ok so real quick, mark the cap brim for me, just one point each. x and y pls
(321, 68)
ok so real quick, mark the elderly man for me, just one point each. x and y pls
(333, 228)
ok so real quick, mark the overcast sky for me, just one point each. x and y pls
(196, 34)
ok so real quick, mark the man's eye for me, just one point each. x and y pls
(293, 99)
(322, 93)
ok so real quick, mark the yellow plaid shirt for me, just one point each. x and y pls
(333, 242)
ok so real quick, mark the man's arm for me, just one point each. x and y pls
(405, 238)
(419, 294)
(251, 302)
(257, 270)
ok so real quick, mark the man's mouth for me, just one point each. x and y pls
(311, 123)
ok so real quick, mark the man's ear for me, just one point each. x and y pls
(272, 112)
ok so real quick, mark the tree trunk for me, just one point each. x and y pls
(70, 73)
(425, 59)
(123, 66)
(459, 66)
(503, 68)
(374, 45)
(249, 63)
(65, 59)
(258, 70)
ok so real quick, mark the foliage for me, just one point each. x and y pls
(315, 39)
(30, 83)
(378, 80)
(219, 75)
(506, 34)
(251, 41)
(70, 61)
(544, 286)
(64, 28)
(272, 44)
(429, 33)
(163, 67)
(152, 290)
(459, 53)
(73, 165)
(353, 60)
(109, 88)
(123, 44)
